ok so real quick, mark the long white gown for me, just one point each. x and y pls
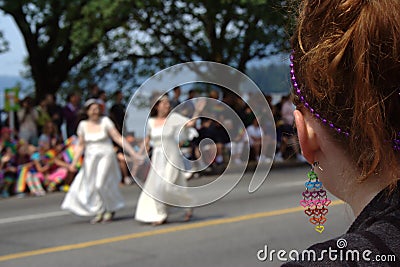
(166, 163)
(95, 187)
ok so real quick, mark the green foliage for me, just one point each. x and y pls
(230, 32)
(72, 43)
(166, 32)
(60, 34)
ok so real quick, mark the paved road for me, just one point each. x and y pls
(229, 232)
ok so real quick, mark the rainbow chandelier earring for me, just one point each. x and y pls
(315, 200)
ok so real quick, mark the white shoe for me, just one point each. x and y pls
(278, 157)
(188, 175)
(264, 159)
(128, 180)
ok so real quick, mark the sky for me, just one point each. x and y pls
(11, 62)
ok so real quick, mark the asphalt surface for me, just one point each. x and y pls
(229, 232)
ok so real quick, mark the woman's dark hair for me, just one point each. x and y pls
(156, 100)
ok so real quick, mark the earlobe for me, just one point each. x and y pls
(307, 136)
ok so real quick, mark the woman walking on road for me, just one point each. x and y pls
(94, 190)
(166, 163)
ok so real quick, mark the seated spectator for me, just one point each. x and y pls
(7, 164)
(24, 163)
(8, 171)
(35, 176)
(239, 140)
(256, 138)
(49, 137)
(57, 172)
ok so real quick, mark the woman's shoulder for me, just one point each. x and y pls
(82, 123)
(363, 246)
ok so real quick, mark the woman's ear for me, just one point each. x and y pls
(307, 136)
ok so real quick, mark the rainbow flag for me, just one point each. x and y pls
(68, 155)
(72, 140)
(50, 154)
(21, 179)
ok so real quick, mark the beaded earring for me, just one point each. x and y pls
(315, 200)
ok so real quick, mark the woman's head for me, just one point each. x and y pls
(161, 107)
(346, 62)
(27, 102)
(92, 108)
(50, 128)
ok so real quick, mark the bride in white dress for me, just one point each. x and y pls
(94, 190)
(170, 166)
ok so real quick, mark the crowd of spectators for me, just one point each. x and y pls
(35, 155)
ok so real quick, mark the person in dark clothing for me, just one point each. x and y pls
(71, 113)
(55, 111)
(117, 111)
(175, 101)
(345, 73)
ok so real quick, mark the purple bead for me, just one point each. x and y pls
(292, 71)
(311, 110)
(331, 125)
(306, 105)
(302, 98)
(298, 91)
(347, 134)
(324, 120)
(318, 116)
(338, 130)
(295, 84)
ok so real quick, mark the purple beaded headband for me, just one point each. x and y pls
(396, 142)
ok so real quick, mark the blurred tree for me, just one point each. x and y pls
(60, 34)
(72, 43)
(226, 31)
(166, 32)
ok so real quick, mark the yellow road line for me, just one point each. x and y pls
(155, 232)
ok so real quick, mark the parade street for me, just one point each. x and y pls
(229, 232)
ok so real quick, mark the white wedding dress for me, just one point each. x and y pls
(95, 187)
(166, 163)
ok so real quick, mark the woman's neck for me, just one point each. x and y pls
(340, 177)
(161, 116)
(364, 192)
(94, 120)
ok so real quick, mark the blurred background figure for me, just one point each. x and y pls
(28, 118)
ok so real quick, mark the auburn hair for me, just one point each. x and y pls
(347, 64)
